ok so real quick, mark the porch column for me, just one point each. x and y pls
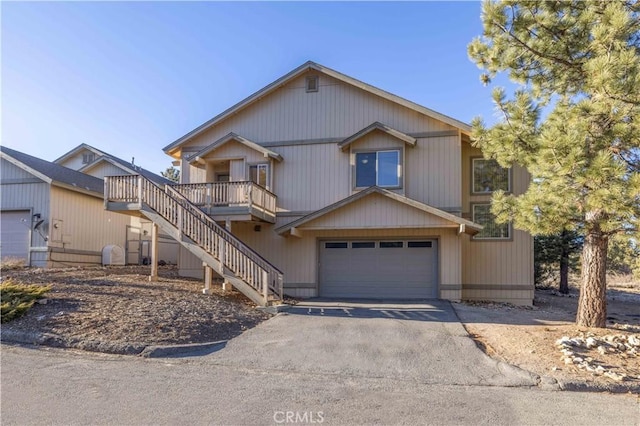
(226, 285)
(154, 253)
(208, 278)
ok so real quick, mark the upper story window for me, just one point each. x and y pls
(312, 83)
(491, 230)
(381, 168)
(88, 157)
(488, 177)
(259, 173)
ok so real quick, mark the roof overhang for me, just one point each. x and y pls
(198, 157)
(173, 147)
(377, 126)
(463, 226)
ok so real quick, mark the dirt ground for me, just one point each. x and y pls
(527, 336)
(119, 304)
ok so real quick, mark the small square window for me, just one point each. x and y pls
(312, 83)
(488, 176)
(88, 158)
(491, 230)
(364, 244)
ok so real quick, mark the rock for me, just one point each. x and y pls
(591, 342)
(568, 361)
(615, 376)
(41, 301)
(634, 340)
(564, 340)
(602, 350)
(578, 360)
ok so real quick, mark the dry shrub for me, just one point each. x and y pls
(16, 298)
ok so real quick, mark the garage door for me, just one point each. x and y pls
(389, 269)
(14, 234)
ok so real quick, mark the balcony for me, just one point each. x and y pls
(234, 200)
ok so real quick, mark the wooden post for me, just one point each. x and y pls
(265, 287)
(226, 285)
(208, 278)
(154, 253)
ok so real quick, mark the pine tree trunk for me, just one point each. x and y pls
(564, 263)
(592, 306)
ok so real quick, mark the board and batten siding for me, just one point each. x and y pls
(105, 168)
(495, 270)
(20, 190)
(85, 229)
(336, 110)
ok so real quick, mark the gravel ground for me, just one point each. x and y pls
(120, 305)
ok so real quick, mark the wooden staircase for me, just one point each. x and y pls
(236, 262)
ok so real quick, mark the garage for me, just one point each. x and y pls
(14, 234)
(380, 269)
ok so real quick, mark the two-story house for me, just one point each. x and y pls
(344, 191)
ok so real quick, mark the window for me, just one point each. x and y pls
(343, 245)
(381, 168)
(311, 83)
(88, 158)
(391, 244)
(419, 244)
(488, 176)
(365, 244)
(259, 173)
(491, 230)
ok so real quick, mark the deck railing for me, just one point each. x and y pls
(192, 222)
(218, 194)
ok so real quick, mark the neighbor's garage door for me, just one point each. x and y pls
(390, 269)
(14, 234)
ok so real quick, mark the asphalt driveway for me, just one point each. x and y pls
(423, 342)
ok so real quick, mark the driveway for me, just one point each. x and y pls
(422, 342)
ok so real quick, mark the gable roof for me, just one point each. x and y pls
(234, 137)
(464, 127)
(116, 161)
(381, 127)
(53, 173)
(467, 226)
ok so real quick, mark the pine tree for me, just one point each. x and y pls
(573, 123)
(172, 174)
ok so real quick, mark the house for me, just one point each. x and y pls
(322, 185)
(137, 243)
(52, 216)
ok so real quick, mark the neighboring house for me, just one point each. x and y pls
(341, 190)
(52, 216)
(92, 161)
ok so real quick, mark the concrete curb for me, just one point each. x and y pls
(575, 386)
(116, 348)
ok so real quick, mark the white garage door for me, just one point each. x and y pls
(14, 234)
(387, 269)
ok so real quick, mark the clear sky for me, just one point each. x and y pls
(130, 78)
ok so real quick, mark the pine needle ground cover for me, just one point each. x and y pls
(19, 298)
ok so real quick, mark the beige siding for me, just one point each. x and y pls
(298, 257)
(85, 227)
(495, 270)
(336, 110)
(105, 168)
(376, 211)
(75, 162)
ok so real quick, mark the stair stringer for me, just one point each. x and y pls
(203, 255)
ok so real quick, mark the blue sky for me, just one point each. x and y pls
(130, 78)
